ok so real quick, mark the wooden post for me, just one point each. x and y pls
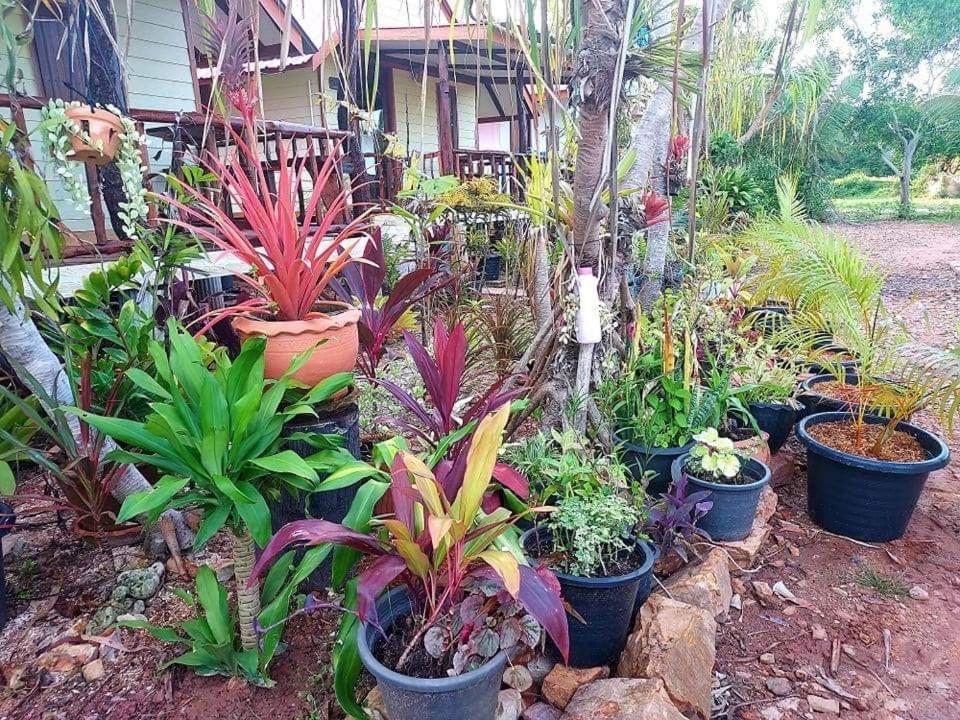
(444, 112)
(523, 118)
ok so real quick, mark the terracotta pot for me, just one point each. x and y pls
(104, 129)
(288, 338)
(755, 447)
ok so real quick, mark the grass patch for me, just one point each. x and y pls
(866, 209)
(882, 584)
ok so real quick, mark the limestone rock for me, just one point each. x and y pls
(509, 705)
(142, 584)
(918, 593)
(705, 585)
(562, 683)
(828, 706)
(93, 670)
(541, 711)
(742, 553)
(622, 699)
(676, 643)
(102, 619)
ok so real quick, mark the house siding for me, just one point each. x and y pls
(419, 131)
(294, 96)
(158, 72)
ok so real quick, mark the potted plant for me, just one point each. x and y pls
(75, 132)
(735, 484)
(601, 566)
(767, 388)
(438, 643)
(216, 432)
(726, 411)
(865, 472)
(293, 260)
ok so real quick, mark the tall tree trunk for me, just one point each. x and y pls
(650, 140)
(352, 81)
(21, 342)
(248, 598)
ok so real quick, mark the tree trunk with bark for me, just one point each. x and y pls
(21, 342)
(909, 139)
(248, 598)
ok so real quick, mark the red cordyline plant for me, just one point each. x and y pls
(679, 144)
(295, 260)
(441, 550)
(380, 309)
(656, 209)
(452, 416)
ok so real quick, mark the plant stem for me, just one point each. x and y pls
(248, 598)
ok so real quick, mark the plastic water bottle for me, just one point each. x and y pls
(588, 313)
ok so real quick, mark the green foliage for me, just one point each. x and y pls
(210, 635)
(859, 184)
(216, 434)
(591, 530)
(713, 458)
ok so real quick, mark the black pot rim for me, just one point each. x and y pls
(774, 405)
(757, 466)
(8, 518)
(650, 551)
(939, 460)
(414, 684)
(647, 450)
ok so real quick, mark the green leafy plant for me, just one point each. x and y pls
(216, 433)
(713, 457)
(590, 531)
(760, 378)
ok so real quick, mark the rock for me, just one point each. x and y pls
(15, 547)
(817, 632)
(120, 597)
(541, 711)
(102, 619)
(705, 585)
(518, 678)
(66, 659)
(142, 584)
(509, 705)
(93, 671)
(771, 713)
(374, 702)
(918, 593)
(763, 591)
(622, 699)
(540, 667)
(562, 683)
(15, 676)
(779, 686)
(742, 553)
(768, 659)
(674, 642)
(828, 706)
(131, 617)
(781, 468)
(138, 607)
(128, 557)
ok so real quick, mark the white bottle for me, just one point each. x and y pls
(588, 312)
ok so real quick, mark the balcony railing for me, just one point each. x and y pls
(505, 168)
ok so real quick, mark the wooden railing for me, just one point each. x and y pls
(505, 168)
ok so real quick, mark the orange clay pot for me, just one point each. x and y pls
(755, 447)
(101, 125)
(288, 338)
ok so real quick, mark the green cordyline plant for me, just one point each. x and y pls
(445, 552)
(215, 431)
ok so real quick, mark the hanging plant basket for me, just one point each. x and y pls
(100, 134)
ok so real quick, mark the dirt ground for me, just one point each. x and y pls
(853, 594)
(849, 594)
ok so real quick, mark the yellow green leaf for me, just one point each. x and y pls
(480, 461)
(506, 567)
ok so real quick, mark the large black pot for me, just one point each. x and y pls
(769, 319)
(814, 402)
(344, 421)
(640, 459)
(734, 506)
(862, 498)
(471, 696)
(606, 604)
(7, 520)
(776, 419)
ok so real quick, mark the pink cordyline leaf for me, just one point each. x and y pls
(309, 533)
(679, 144)
(373, 581)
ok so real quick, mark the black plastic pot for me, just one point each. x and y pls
(862, 498)
(607, 605)
(471, 696)
(7, 520)
(491, 267)
(769, 319)
(775, 419)
(734, 506)
(333, 505)
(640, 459)
(814, 402)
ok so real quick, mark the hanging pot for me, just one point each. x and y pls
(104, 129)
